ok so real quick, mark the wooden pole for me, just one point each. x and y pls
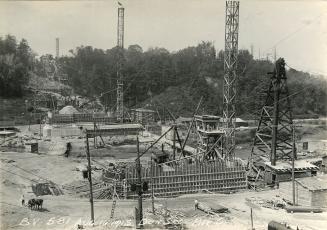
(29, 122)
(139, 185)
(293, 158)
(152, 187)
(252, 220)
(40, 126)
(190, 127)
(174, 142)
(90, 177)
(94, 138)
(152, 144)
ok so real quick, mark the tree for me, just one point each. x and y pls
(15, 63)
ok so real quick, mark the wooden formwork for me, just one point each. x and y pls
(185, 178)
(81, 117)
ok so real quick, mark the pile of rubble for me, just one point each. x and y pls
(274, 203)
(171, 218)
(17, 141)
(13, 142)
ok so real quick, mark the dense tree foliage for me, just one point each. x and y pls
(177, 80)
(157, 78)
(16, 59)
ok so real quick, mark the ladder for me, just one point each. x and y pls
(113, 208)
(114, 196)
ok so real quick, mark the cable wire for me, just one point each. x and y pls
(294, 32)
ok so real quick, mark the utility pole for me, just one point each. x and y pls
(293, 174)
(40, 126)
(90, 177)
(252, 49)
(139, 186)
(252, 220)
(230, 66)
(275, 122)
(152, 192)
(95, 136)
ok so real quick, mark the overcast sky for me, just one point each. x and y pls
(297, 28)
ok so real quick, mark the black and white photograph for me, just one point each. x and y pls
(163, 114)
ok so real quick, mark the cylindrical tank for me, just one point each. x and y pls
(50, 114)
(47, 130)
(273, 225)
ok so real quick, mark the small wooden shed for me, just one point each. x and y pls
(309, 191)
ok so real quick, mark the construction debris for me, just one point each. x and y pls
(275, 203)
(173, 219)
(207, 209)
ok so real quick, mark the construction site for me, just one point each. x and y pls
(96, 167)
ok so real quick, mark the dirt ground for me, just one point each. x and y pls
(19, 170)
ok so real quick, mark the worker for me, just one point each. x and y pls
(196, 204)
(22, 198)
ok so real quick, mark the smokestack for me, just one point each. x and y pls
(57, 47)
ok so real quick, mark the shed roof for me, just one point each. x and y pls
(143, 110)
(287, 165)
(184, 119)
(315, 183)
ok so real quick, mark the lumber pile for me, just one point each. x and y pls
(82, 187)
(47, 188)
(210, 210)
(101, 190)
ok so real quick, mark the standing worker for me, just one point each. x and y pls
(196, 204)
(22, 198)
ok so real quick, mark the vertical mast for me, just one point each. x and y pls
(230, 65)
(120, 45)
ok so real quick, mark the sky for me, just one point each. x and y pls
(298, 29)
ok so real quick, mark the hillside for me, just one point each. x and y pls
(156, 78)
(179, 79)
(36, 82)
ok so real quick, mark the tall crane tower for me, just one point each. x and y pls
(230, 65)
(120, 46)
(273, 139)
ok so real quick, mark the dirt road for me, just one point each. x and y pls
(20, 170)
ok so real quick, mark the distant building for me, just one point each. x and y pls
(324, 164)
(170, 134)
(282, 171)
(238, 122)
(309, 146)
(309, 191)
(241, 123)
(143, 116)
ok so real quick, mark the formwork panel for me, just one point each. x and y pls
(184, 178)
